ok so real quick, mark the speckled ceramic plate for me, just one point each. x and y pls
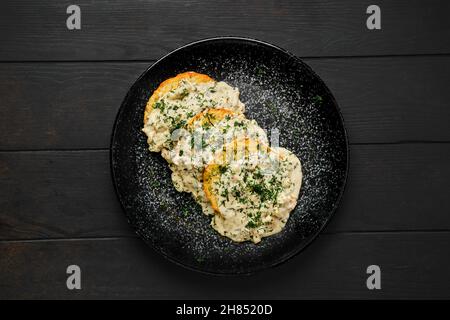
(279, 91)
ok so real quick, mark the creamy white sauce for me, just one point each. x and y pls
(176, 107)
(254, 198)
(200, 145)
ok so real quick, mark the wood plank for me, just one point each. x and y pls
(73, 105)
(58, 194)
(70, 194)
(58, 105)
(396, 187)
(124, 30)
(413, 265)
(390, 99)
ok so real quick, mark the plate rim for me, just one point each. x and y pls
(289, 255)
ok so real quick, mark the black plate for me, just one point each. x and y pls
(279, 91)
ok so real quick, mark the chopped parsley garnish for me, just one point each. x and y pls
(185, 211)
(318, 99)
(161, 105)
(177, 124)
(259, 71)
(258, 174)
(225, 194)
(225, 130)
(265, 192)
(251, 224)
(223, 169)
(254, 221)
(184, 93)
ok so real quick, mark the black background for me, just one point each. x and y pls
(60, 91)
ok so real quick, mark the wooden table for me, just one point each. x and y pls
(60, 91)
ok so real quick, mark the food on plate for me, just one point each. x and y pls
(252, 190)
(179, 99)
(222, 158)
(205, 136)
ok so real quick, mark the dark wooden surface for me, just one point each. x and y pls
(384, 99)
(59, 194)
(126, 30)
(334, 267)
(60, 91)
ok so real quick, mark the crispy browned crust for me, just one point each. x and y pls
(171, 84)
(211, 174)
(212, 116)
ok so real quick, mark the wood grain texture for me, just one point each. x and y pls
(413, 265)
(73, 105)
(46, 106)
(60, 91)
(396, 187)
(70, 194)
(125, 30)
(58, 194)
(390, 99)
